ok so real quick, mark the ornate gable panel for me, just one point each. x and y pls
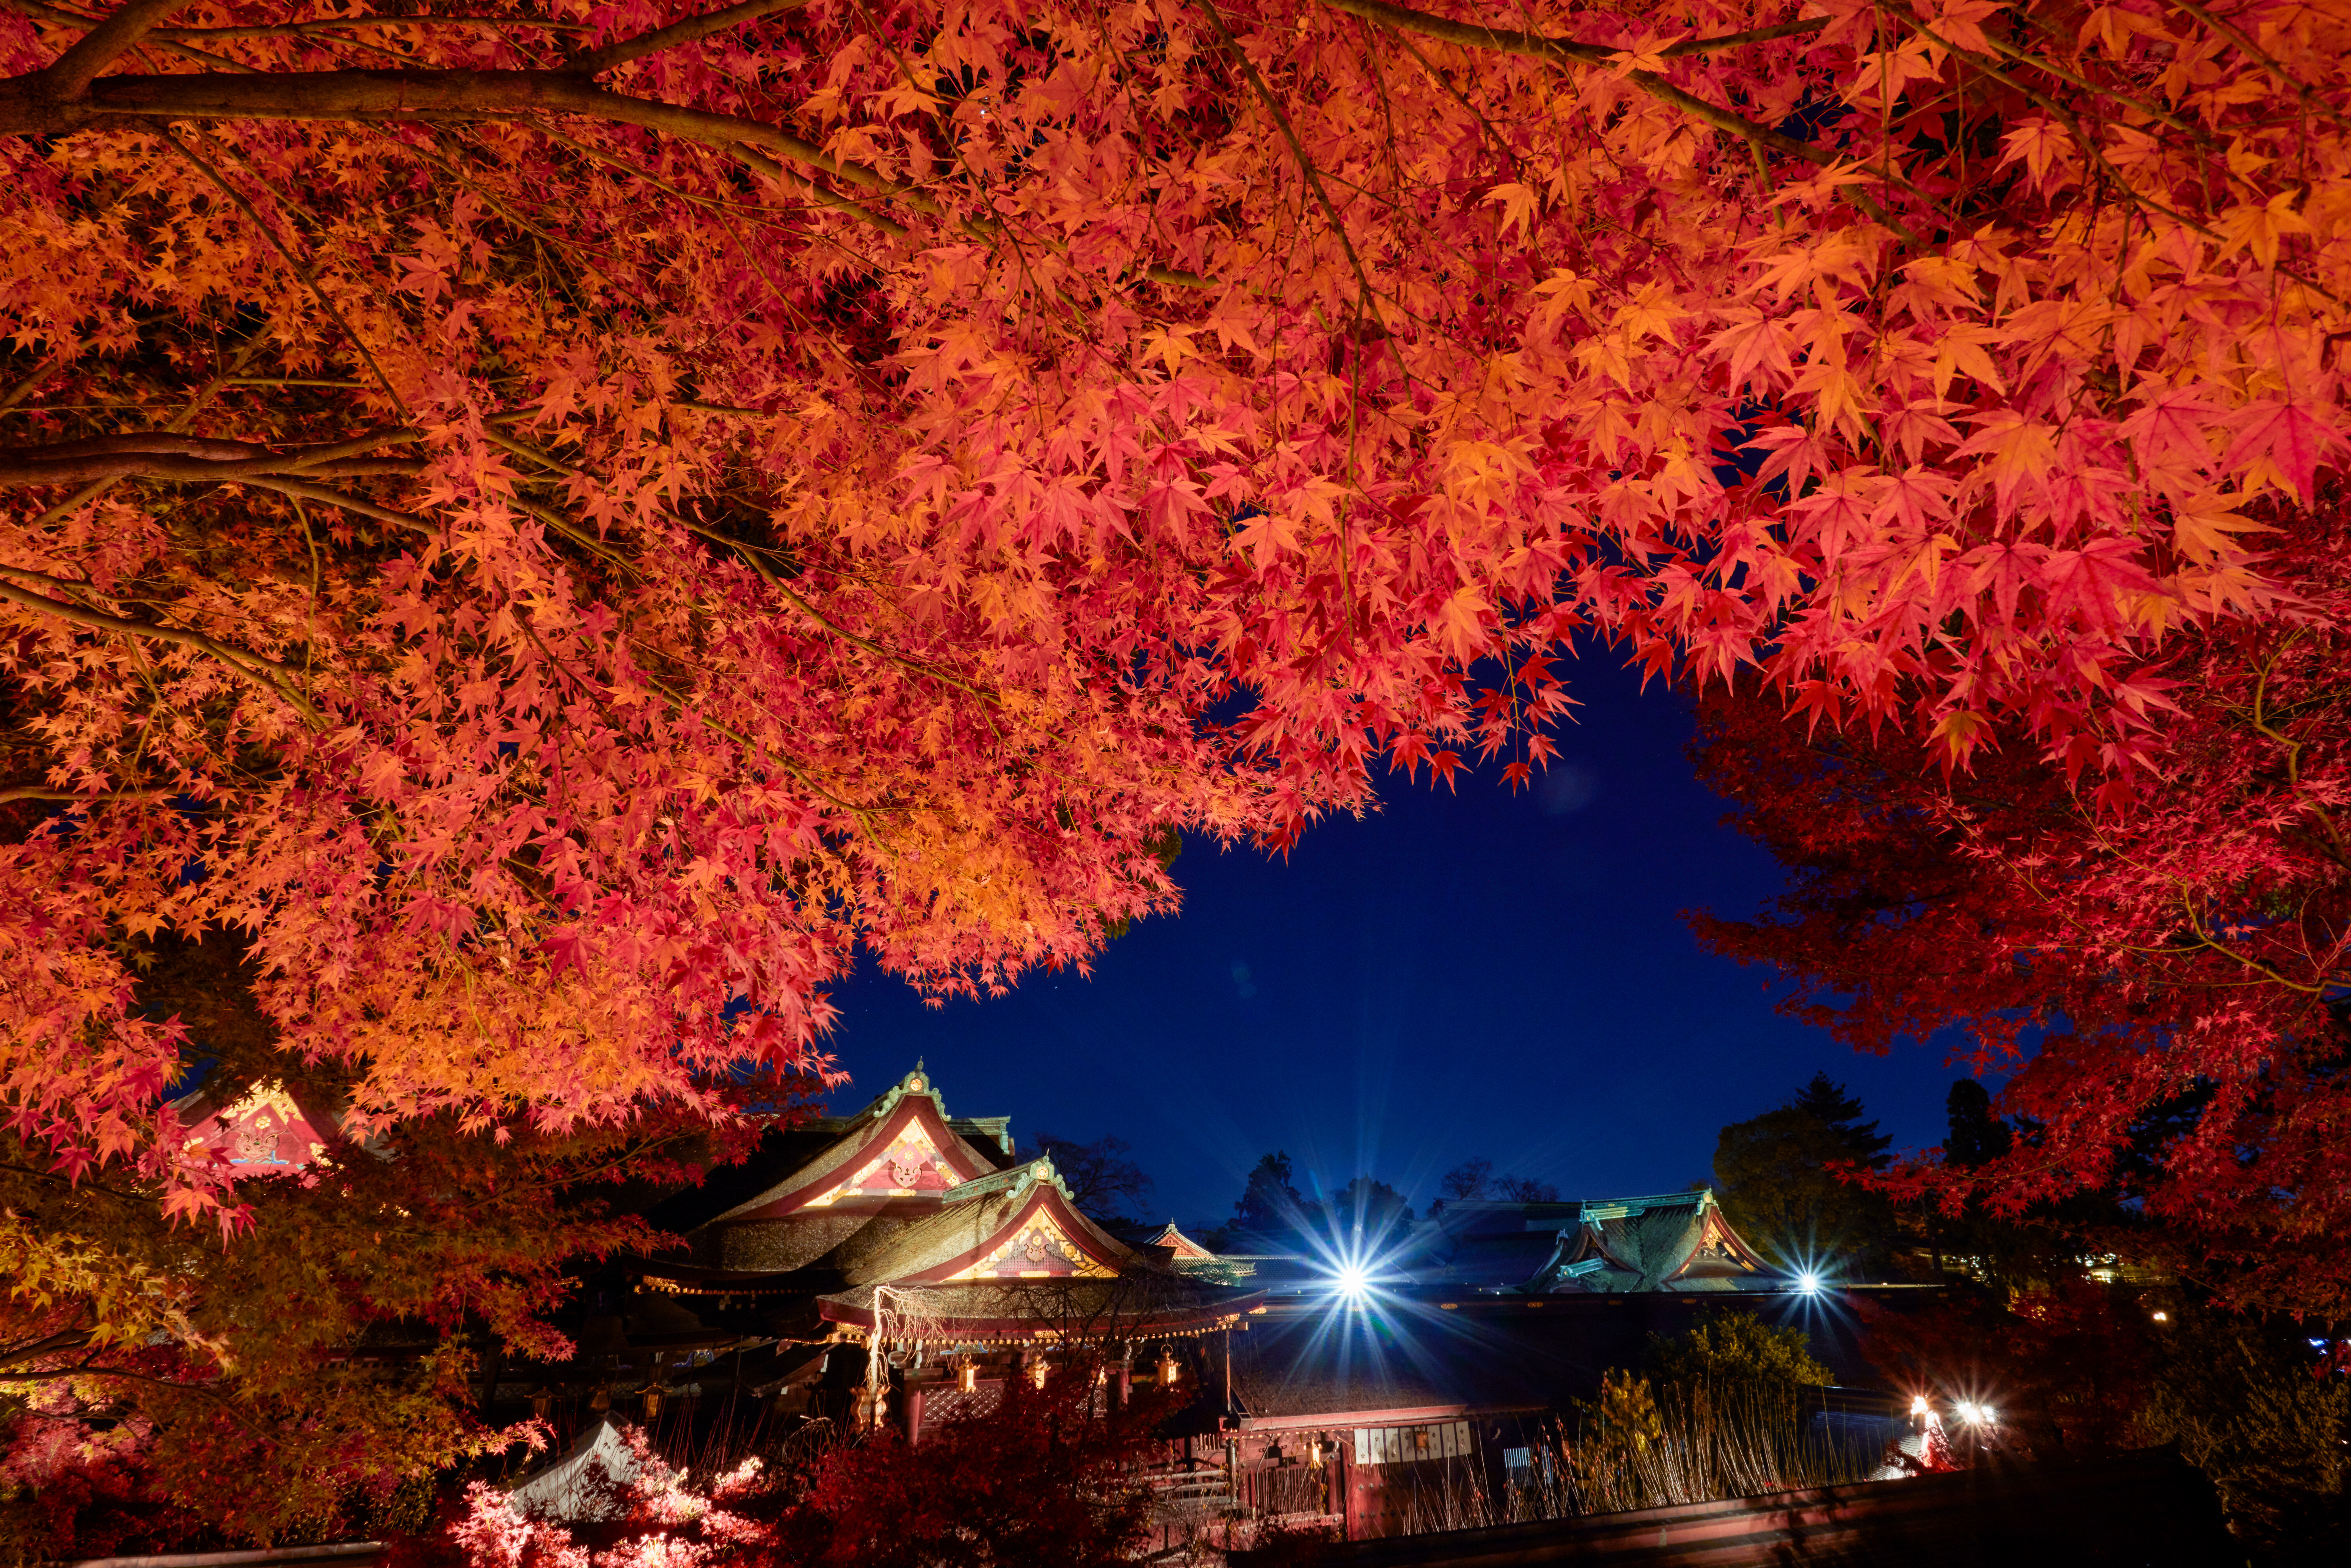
(1719, 1249)
(1039, 1248)
(261, 1134)
(912, 1164)
(1182, 1244)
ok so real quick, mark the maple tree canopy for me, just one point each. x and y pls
(560, 518)
(2163, 994)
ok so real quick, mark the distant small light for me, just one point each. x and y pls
(2163, 1317)
(1809, 1283)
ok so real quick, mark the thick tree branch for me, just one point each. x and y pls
(266, 673)
(44, 792)
(55, 1344)
(70, 73)
(692, 30)
(418, 95)
(160, 455)
(1537, 46)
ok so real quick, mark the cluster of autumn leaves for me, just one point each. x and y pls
(547, 526)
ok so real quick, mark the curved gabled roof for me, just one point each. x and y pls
(1182, 1247)
(1677, 1242)
(264, 1131)
(1014, 1224)
(900, 1146)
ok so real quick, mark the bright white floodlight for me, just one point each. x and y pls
(1809, 1283)
(1354, 1282)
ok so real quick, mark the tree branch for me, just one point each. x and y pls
(54, 1345)
(693, 30)
(1297, 150)
(419, 96)
(353, 23)
(1566, 51)
(160, 455)
(266, 673)
(1536, 46)
(300, 271)
(68, 797)
(325, 496)
(70, 74)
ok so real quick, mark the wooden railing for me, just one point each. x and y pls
(2145, 1509)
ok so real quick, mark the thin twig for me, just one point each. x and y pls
(300, 271)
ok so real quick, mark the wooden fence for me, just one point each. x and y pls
(2143, 1510)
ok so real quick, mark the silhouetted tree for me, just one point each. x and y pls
(1269, 1202)
(1779, 1179)
(1976, 1135)
(1365, 1212)
(1474, 1178)
(1103, 1181)
(1468, 1181)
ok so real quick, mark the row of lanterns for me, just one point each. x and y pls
(1170, 1372)
(648, 1399)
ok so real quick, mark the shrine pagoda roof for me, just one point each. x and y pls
(902, 1145)
(1674, 1241)
(266, 1130)
(1007, 1254)
(1013, 1224)
(1668, 1241)
(1180, 1247)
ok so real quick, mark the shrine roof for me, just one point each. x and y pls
(1677, 1242)
(1180, 1246)
(266, 1130)
(908, 1128)
(1026, 1206)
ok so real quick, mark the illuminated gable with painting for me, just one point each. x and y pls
(905, 1202)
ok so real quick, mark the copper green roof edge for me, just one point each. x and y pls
(1699, 1198)
(1039, 1169)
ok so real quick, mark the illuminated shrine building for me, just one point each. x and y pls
(905, 1224)
(1678, 1241)
(266, 1132)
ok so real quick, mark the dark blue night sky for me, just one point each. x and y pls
(1454, 976)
